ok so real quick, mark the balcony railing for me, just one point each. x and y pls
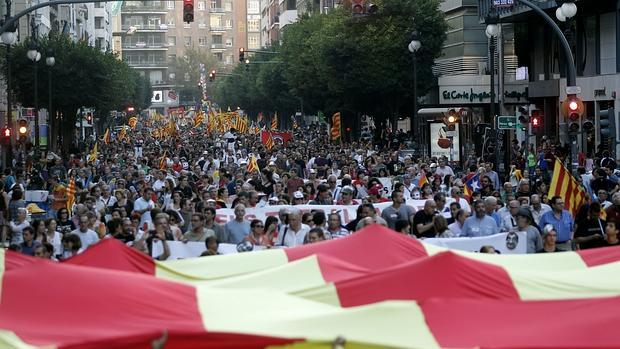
(145, 8)
(145, 62)
(215, 28)
(216, 10)
(145, 26)
(218, 46)
(144, 45)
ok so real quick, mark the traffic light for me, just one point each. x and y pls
(588, 124)
(241, 54)
(188, 11)
(6, 136)
(212, 75)
(573, 109)
(357, 7)
(607, 125)
(89, 118)
(524, 115)
(451, 120)
(247, 65)
(22, 128)
(536, 121)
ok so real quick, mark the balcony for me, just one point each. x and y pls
(144, 9)
(217, 10)
(146, 64)
(214, 28)
(146, 27)
(218, 47)
(139, 46)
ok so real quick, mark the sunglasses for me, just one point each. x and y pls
(258, 226)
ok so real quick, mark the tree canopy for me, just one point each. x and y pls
(338, 62)
(81, 76)
(186, 70)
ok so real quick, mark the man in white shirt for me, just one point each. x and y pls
(143, 206)
(160, 182)
(444, 169)
(87, 236)
(294, 233)
(455, 196)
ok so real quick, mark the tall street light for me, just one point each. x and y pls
(413, 47)
(8, 38)
(34, 55)
(492, 31)
(50, 60)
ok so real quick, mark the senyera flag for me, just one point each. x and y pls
(85, 307)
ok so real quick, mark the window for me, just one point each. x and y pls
(201, 23)
(188, 40)
(100, 43)
(201, 6)
(172, 41)
(216, 39)
(187, 25)
(253, 42)
(215, 4)
(170, 22)
(98, 22)
(253, 6)
(216, 21)
(202, 41)
(170, 5)
(228, 6)
(99, 5)
(253, 25)
(229, 24)
(219, 56)
(229, 59)
(172, 57)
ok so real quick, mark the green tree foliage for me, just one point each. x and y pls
(186, 72)
(82, 76)
(337, 62)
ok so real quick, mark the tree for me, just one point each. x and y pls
(186, 72)
(82, 76)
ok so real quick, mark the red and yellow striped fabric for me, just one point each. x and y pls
(563, 184)
(335, 130)
(374, 289)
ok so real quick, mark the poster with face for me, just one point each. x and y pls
(443, 142)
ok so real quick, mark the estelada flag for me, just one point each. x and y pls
(276, 137)
(564, 185)
(335, 131)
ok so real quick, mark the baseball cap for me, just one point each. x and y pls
(273, 198)
(298, 195)
(347, 189)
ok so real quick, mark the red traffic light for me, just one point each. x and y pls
(130, 109)
(573, 105)
(536, 121)
(188, 11)
(6, 132)
(241, 54)
(348, 129)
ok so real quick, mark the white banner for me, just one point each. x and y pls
(179, 249)
(347, 213)
(506, 243)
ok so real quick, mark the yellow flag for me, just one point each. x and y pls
(93, 154)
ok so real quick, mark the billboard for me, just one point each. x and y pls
(444, 142)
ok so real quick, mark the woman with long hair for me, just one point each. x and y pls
(17, 201)
(64, 222)
(38, 229)
(53, 236)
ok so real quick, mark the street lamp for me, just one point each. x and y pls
(568, 10)
(34, 55)
(492, 32)
(8, 38)
(413, 47)
(50, 60)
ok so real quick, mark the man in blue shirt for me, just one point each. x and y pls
(480, 224)
(562, 221)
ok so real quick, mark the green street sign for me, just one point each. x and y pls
(507, 122)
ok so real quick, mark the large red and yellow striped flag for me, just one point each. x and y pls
(122, 133)
(162, 161)
(71, 194)
(437, 312)
(133, 121)
(335, 131)
(199, 118)
(274, 122)
(564, 185)
(92, 157)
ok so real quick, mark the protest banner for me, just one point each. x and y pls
(347, 212)
(505, 243)
(179, 249)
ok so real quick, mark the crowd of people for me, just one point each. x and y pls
(147, 190)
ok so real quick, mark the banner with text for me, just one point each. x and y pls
(347, 213)
(506, 243)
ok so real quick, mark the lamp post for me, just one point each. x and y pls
(8, 38)
(492, 32)
(50, 60)
(34, 55)
(413, 47)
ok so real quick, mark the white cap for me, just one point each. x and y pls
(298, 195)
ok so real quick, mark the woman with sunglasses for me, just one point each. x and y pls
(257, 234)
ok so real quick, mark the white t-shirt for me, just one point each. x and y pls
(142, 204)
(88, 238)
